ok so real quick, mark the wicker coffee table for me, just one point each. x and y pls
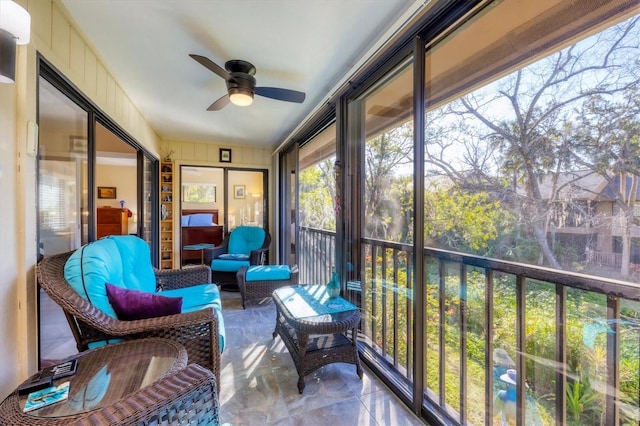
(135, 382)
(314, 328)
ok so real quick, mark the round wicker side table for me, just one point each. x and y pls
(124, 383)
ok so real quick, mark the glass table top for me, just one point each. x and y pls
(110, 373)
(309, 301)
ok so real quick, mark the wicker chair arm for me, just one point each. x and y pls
(180, 326)
(82, 309)
(259, 256)
(72, 304)
(120, 328)
(212, 253)
(180, 278)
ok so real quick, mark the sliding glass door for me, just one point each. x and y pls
(86, 164)
(63, 167)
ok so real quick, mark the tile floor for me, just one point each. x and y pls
(259, 380)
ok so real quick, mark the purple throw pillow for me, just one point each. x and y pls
(133, 304)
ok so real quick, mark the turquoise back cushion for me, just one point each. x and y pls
(120, 260)
(137, 271)
(243, 239)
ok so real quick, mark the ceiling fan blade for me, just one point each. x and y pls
(281, 94)
(219, 104)
(212, 66)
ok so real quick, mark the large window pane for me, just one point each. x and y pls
(247, 200)
(385, 138)
(531, 154)
(116, 167)
(316, 207)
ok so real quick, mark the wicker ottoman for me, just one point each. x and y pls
(259, 281)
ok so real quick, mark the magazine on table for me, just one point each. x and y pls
(47, 396)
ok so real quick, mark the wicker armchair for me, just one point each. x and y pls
(257, 255)
(197, 331)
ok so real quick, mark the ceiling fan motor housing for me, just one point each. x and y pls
(241, 83)
(242, 73)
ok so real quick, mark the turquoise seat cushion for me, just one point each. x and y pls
(234, 256)
(120, 260)
(199, 297)
(268, 273)
(223, 265)
(244, 239)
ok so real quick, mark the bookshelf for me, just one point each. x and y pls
(166, 216)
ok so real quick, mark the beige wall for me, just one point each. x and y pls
(55, 38)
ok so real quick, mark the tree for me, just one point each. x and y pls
(512, 138)
(385, 154)
(317, 190)
(458, 220)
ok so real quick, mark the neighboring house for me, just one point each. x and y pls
(586, 210)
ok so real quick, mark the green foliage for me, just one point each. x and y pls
(582, 407)
(316, 189)
(388, 197)
(463, 221)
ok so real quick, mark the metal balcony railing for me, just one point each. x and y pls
(572, 341)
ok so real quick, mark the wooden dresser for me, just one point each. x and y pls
(112, 221)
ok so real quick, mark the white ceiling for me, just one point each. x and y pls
(305, 45)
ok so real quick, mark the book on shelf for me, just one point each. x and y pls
(46, 396)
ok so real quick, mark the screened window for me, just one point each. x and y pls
(317, 192)
(199, 193)
(52, 203)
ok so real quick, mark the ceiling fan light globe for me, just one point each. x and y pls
(241, 98)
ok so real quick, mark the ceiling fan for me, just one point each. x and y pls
(241, 84)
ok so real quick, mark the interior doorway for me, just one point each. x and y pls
(214, 201)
